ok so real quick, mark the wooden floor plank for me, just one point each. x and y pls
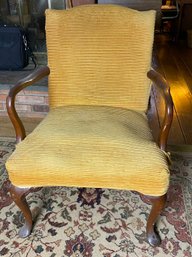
(168, 61)
(181, 95)
(176, 135)
(185, 55)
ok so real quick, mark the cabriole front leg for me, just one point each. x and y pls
(18, 196)
(158, 204)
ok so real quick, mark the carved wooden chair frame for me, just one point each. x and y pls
(18, 194)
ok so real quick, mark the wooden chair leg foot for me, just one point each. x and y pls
(25, 231)
(18, 196)
(153, 237)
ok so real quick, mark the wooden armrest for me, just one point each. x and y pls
(164, 89)
(10, 101)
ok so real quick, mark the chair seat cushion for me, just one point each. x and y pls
(91, 146)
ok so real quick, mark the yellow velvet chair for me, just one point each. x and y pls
(96, 133)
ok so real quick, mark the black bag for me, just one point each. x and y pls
(14, 50)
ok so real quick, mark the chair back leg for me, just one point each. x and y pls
(158, 204)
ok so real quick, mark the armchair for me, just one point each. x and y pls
(96, 133)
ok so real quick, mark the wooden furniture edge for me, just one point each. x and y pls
(29, 80)
(160, 82)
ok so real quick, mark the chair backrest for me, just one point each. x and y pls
(99, 55)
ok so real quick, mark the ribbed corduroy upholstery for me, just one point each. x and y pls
(99, 55)
(87, 146)
(96, 133)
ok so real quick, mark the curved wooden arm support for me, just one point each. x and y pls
(10, 101)
(162, 85)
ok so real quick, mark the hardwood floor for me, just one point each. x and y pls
(174, 61)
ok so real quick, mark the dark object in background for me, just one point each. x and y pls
(14, 50)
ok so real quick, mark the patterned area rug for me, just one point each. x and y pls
(98, 222)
